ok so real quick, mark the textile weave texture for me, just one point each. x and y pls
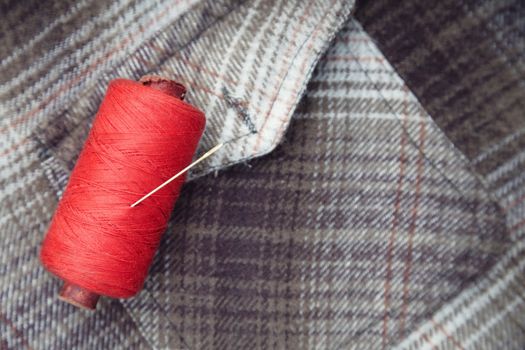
(391, 215)
(464, 60)
(363, 224)
(245, 64)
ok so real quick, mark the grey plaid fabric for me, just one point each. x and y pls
(371, 226)
(469, 75)
(245, 63)
(465, 62)
(359, 227)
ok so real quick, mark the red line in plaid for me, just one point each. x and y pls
(290, 101)
(201, 68)
(517, 226)
(282, 74)
(192, 85)
(449, 336)
(395, 223)
(15, 330)
(514, 203)
(425, 337)
(14, 147)
(413, 225)
(69, 84)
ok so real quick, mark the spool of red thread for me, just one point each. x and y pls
(143, 133)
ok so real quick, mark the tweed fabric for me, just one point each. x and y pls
(364, 223)
(489, 315)
(245, 64)
(465, 62)
(367, 228)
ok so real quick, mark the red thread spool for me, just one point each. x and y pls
(143, 133)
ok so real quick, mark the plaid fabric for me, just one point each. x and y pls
(245, 63)
(369, 227)
(465, 62)
(247, 105)
(469, 75)
(358, 228)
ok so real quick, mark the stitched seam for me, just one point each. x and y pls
(257, 152)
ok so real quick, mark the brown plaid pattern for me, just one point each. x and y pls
(366, 229)
(245, 63)
(354, 231)
(199, 43)
(464, 61)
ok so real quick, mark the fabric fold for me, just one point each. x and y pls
(245, 64)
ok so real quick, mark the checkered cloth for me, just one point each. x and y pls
(465, 61)
(370, 226)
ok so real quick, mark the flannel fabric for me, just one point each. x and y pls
(245, 63)
(391, 216)
(464, 60)
(365, 222)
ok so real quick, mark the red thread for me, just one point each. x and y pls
(140, 138)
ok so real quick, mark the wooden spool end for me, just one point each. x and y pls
(167, 86)
(77, 295)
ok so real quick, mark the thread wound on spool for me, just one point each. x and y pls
(74, 238)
